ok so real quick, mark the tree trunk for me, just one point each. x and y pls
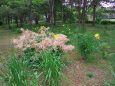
(64, 18)
(36, 20)
(94, 9)
(16, 21)
(46, 14)
(52, 12)
(9, 21)
(84, 13)
(71, 2)
(62, 13)
(21, 21)
(55, 16)
(30, 14)
(49, 18)
(79, 17)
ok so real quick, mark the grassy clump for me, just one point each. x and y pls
(90, 75)
(16, 72)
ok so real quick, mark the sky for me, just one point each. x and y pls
(104, 4)
(107, 4)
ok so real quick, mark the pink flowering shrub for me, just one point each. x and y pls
(41, 40)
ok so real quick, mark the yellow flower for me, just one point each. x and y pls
(97, 36)
(43, 27)
(56, 36)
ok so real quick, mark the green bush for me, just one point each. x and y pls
(87, 44)
(109, 83)
(90, 75)
(35, 29)
(106, 22)
(98, 21)
(104, 50)
(18, 31)
(29, 53)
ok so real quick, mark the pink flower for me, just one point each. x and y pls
(68, 47)
(28, 40)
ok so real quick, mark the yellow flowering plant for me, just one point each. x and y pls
(87, 44)
(97, 36)
(43, 27)
(56, 36)
(66, 30)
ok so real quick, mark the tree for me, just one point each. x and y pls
(84, 13)
(52, 11)
(79, 10)
(30, 13)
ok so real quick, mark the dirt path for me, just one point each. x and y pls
(77, 72)
(5, 41)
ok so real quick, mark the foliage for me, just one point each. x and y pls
(98, 20)
(87, 44)
(104, 49)
(52, 67)
(18, 31)
(15, 72)
(66, 30)
(109, 83)
(90, 75)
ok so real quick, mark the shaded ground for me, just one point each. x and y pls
(77, 72)
(5, 41)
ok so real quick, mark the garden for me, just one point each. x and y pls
(37, 48)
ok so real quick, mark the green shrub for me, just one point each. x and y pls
(109, 83)
(87, 44)
(35, 29)
(29, 53)
(98, 21)
(104, 50)
(90, 75)
(106, 22)
(18, 31)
